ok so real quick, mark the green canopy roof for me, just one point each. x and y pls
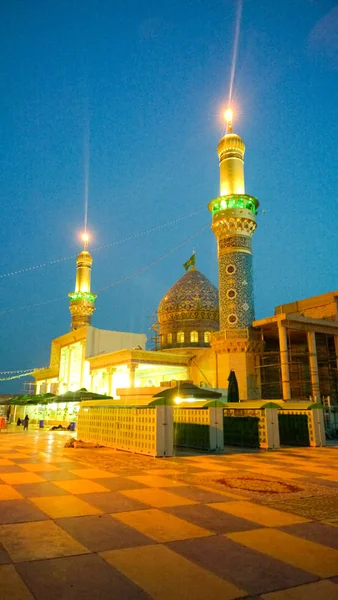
(187, 390)
(79, 395)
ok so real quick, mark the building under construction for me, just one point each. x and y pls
(300, 350)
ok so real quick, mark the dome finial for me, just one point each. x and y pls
(85, 239)
(228, 116)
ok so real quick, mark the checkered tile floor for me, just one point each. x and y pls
(74, 531)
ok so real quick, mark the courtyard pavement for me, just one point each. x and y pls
(93, 524)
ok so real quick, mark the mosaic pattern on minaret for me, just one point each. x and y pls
(233, 223)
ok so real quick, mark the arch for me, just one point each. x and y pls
(207, 337)
(180, 337)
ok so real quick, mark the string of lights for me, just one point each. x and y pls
(16, 371)
(97, 248)
(126, 278)
(154, 262)
(15, 376)
(19, 373)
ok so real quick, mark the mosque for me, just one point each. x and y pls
(202, 332)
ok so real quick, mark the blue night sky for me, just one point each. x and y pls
(149, 81)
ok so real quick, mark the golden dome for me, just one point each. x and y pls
(231, 143)
(85, 258)
(191, 305)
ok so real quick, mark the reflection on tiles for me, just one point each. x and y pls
(213, 520)
(321, 590)
(19, 511)
(8, 492)
(321, 533)
(22, 477)
(78, 577)
(65, 506)
(312, 557)
(246, 568)
(113, 502)
(158, 570)
(81, 486)
(263, 515)
(155, 481)
(12, 586)
(35, 541)
(161, 526)
(92, 473)
(99, 533)
(157, 497)
(159, 536)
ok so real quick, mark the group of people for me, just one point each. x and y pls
(24, 422)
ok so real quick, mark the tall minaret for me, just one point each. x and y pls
(82, 301)
(233, 223)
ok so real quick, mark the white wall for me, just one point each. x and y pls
(102, 341)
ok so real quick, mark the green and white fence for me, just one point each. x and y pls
(143, 430)
(156, 428)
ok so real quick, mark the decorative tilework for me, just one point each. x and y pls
(235, 241)
(241, 305)
(191, 304)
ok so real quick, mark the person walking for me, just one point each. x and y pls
(26, 422)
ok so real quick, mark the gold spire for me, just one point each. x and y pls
(82, 301)
(84, 263)
(228, 115)
(231, 150)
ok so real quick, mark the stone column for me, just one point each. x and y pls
(69, 366)
(132, 369)
(336, 348)
(83, 355)
(284, 361)
(311, 341)
(111, 372)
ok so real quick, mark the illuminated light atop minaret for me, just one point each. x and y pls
(82, 301)
(233, 223)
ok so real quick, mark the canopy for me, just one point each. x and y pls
(187, 390)
(30, 399)
(79, 395)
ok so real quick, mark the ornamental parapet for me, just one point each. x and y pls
(224, 223)
(234, 201)
(237, 340)
(81, 296)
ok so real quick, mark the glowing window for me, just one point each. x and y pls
(180, 337)
(194, 337)
(207, 337)
(169, 338)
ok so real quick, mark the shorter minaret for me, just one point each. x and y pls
(82, 301)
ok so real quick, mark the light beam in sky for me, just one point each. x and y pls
(235, 49)
(86, 170)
